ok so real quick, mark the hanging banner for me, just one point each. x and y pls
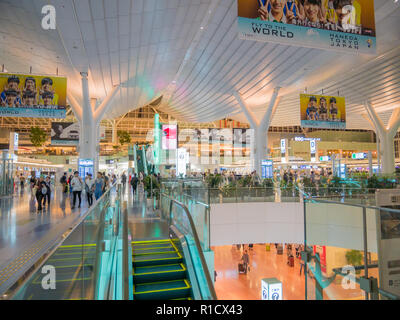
(32, 96)
(169, 136)
(342, 25)
(327, 112)
(65, 133)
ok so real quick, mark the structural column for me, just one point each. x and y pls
(386, 136)
(88, 141)
(260, 128)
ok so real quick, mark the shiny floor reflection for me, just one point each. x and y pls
(231, 285)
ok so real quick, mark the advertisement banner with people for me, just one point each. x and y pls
(325, 112)
(32, 96)
(342, 25)
(65, 133)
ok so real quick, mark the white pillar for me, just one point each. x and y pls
(387, 144)
(260, 128)
(88, 142)
(386, 136)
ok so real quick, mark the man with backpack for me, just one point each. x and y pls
(77, 186)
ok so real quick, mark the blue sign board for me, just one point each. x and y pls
(85, 166)
(267, 169)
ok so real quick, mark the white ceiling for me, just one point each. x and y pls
(189, 51)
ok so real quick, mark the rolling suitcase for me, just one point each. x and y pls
(241, 268)
(267, 247)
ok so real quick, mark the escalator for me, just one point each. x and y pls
(159, 271)
(165, 259)
(74, 269)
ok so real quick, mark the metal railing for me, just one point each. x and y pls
(192, 231)
(366, 283)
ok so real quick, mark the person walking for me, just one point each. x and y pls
(63, 181)
(39, 193)
(134, 183)
(22, 181)
(246, 260)
(98, 186)
(89, 188)
(123, 180)
(47, 195)
(77, 186)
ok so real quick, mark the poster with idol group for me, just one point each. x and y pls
(32, 96)
(325, 112)
(341, 25)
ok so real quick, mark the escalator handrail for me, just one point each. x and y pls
(56, 244)
(197, 243)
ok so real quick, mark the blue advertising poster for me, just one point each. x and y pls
(340, 25)
(85, 166)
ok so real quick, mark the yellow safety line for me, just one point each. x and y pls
(157, 282)
(79, 245)
(179, 257)
(152, 248)
(162, 290)
(70, 280)
(156, 252)
(188, 298)
(160, 265)
(147, 241)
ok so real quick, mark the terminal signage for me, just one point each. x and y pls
(324, 158)
(346, 26)
(359, 156)
(266, 169)
(271, 289)
(32, 96)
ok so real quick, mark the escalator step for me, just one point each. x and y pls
(156, 259)
(159, 273)
(140, 252)
(161, 290)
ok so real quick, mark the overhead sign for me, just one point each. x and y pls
(359, 156)
(65, 133)
(169, 136)
(325, 112)
(324, 158)
(32, 96)
(271, 289)
(341, 25)
(313, 146)
(14, 141)
(306, 139)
